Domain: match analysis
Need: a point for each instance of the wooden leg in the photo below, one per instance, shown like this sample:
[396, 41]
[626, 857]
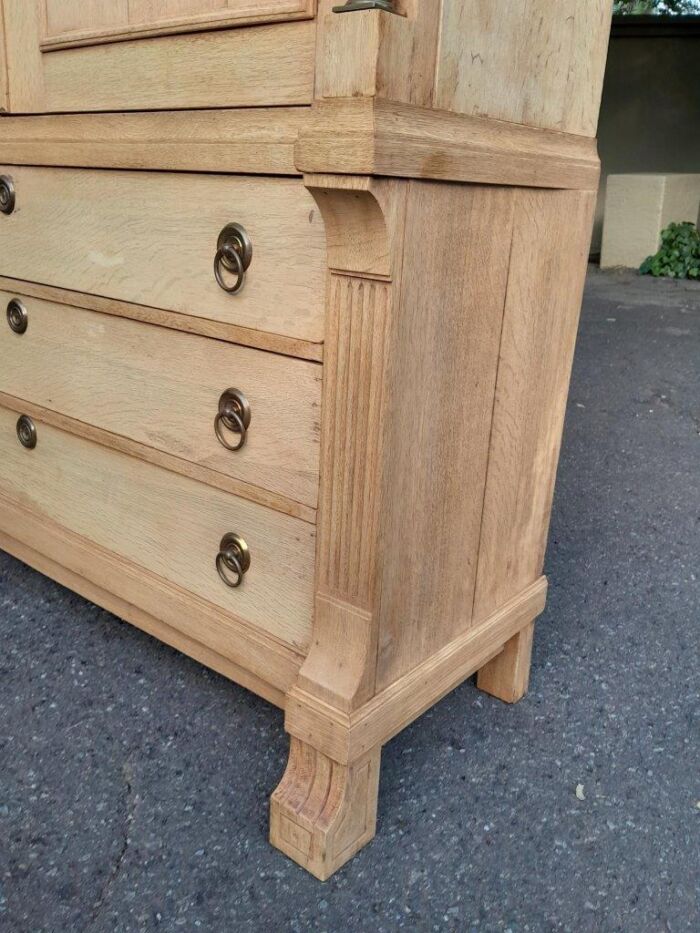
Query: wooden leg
[507, 675]
[323, 812]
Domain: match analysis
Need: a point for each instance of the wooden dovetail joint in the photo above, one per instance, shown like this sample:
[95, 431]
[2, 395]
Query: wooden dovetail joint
[352, 6]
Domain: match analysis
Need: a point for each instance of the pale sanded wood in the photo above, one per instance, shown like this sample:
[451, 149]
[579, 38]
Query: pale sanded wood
[252, 140]
[168, 524]
[444, 356]
[4, 95]
[548, 265]
[68, 16]
[150, 238]
[345, 737]
[77, 22]
[448, 310]
[148, 623]
[374, 136]
[334, 808]
[268, 65]
[376, 53]
[246, 336]
[325, 809]
[228, 636]
[133, 448]
[161, 389]
[508, 674]
[526, 61]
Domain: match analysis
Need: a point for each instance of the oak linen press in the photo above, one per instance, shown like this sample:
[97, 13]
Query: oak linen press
[292, 292]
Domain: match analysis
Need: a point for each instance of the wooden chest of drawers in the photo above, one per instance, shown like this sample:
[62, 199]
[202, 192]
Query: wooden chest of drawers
[291, 310]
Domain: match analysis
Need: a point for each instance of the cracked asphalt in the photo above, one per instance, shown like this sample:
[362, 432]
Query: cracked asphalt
[134, 783]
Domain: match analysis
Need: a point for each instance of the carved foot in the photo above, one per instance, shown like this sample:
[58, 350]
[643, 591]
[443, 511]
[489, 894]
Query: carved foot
[507, 675]
[323, 812]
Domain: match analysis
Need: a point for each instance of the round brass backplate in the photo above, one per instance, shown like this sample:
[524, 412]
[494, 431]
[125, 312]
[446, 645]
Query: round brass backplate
[234, 400]
[26, 432]
[7, 194]
[234, 542]
[17, 316]
[234, 236]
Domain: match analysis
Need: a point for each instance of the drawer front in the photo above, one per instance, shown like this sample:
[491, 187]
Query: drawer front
[73, 55]
[166, 523]
[151, 238]
[161, 388]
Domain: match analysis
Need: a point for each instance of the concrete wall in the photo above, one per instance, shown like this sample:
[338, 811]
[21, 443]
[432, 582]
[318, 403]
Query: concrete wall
[650, 116]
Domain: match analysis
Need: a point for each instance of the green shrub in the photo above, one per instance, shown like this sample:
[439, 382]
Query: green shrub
[679, 255]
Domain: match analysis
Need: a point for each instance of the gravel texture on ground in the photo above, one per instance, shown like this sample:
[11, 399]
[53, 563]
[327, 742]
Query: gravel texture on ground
[134, 783]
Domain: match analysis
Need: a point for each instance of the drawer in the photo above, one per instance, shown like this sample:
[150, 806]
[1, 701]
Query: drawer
[161, 388]
[165, 523]
[73, 55]
[151, 238]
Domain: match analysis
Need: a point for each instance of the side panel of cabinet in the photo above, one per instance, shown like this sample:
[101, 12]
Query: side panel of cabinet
[524, 61]
[551, 237]
[445, 339]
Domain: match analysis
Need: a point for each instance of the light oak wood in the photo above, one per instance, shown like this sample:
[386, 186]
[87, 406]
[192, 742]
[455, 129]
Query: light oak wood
[186, 323]
[150, 238]
[375, 53]
[508, 674]
[161, 388]
[323, 812]
[438, 416]
[272, 65]
[253, 140]
[75, 22]
[148, 623]
[434, 265]
[356, 136]
[346, 736]
[526, 61]
[264, 657]
[374, 136]
[167, 524]
[152, 455]
[551, 237]
[4, 93]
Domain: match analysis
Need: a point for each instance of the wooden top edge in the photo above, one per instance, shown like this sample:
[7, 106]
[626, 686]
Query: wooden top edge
[380, 137]
[345, 136]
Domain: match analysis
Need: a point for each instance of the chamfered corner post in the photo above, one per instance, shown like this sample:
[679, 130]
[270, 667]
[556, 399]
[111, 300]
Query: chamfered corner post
[325, 808]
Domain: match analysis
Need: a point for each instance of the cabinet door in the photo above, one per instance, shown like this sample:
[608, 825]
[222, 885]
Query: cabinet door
[83, 55]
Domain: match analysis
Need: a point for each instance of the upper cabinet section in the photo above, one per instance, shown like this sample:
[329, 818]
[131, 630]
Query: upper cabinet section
[96, 55]
[525, 61]
[539, 63]
[69, 23]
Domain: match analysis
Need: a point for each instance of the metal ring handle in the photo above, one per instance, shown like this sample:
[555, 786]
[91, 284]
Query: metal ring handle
[233, 421]
[229, 560]
[7, 194]
[233, 556]
[226, 257]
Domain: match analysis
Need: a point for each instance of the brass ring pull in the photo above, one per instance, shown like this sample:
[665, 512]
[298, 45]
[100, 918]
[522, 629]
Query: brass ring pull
[234, 414]
[233, 557]
[26, 432]
[227, 258]
[234, 253]
[7, 194]
[17, 316]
